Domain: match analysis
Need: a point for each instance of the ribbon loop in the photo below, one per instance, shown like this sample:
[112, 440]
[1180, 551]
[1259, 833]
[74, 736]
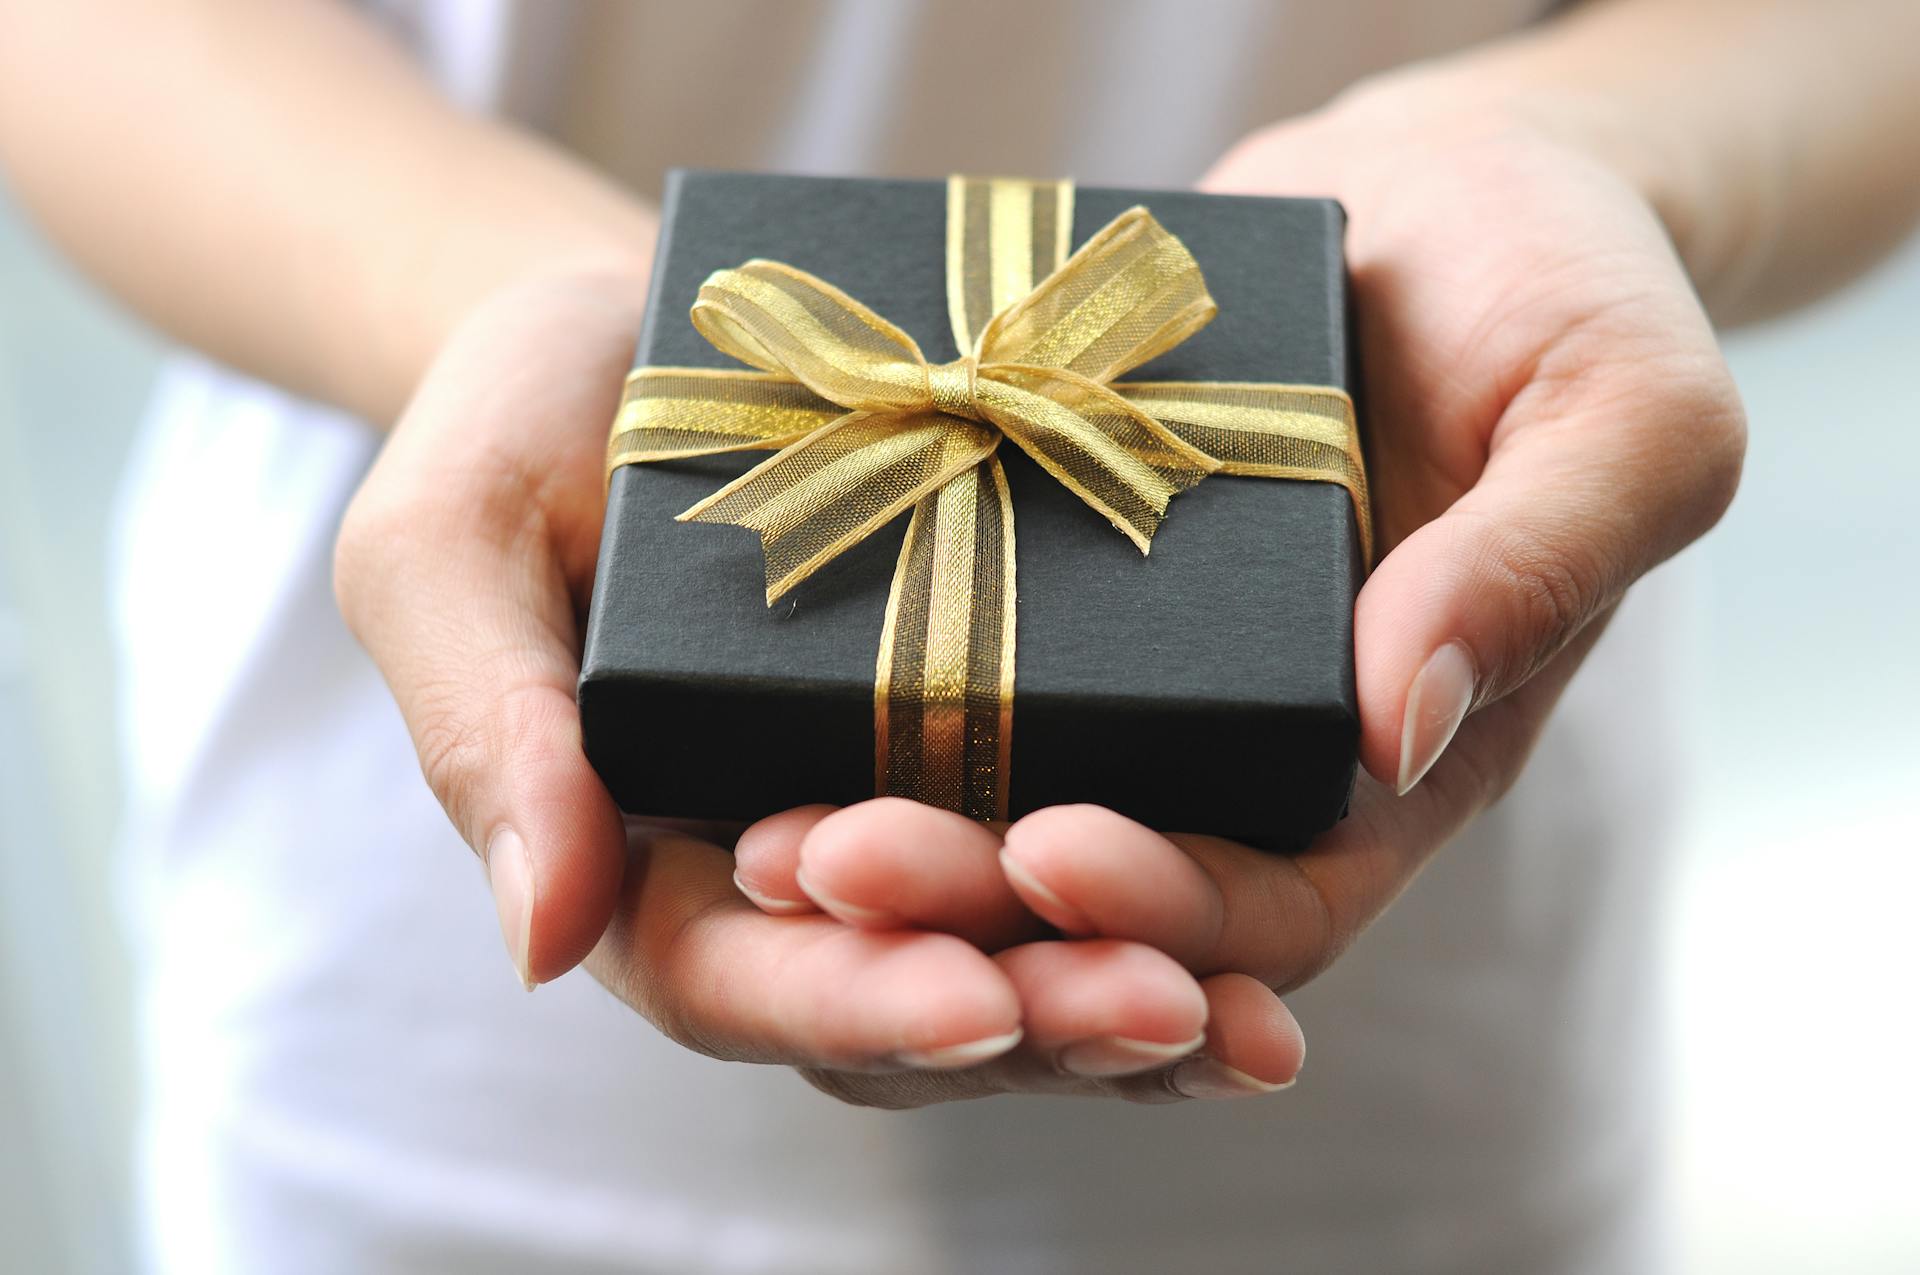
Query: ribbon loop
[826, 493]
[1131, 293]
[779, 319]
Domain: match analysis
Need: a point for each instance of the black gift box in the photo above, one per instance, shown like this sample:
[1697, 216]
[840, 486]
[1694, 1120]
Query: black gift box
[1207, 687]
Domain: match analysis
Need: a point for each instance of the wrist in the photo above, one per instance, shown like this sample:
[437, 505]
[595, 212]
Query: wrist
[1502, 94]
[516, 215]
[383, 379]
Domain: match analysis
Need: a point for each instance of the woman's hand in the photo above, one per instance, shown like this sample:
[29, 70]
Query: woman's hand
[1548, 418]
[963, 996]
[464, 566]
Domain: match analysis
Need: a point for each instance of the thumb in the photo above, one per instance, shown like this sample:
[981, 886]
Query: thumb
[473, 627]
[1564, 517]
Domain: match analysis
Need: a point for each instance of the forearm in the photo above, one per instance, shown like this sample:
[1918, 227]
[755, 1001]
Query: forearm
[1775, 137]
[272, 182]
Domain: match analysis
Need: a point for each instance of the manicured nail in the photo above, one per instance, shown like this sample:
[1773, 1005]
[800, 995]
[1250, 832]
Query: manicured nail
[1437, 703]
[1211, 1078]
[1050, 905]
[965, 1054]
[767, 903]
[1121, 1055]
[852, 913]
[510, 873]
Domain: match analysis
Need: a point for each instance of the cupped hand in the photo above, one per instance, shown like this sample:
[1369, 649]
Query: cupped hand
[883, 1013]
[1548, 417]
[464, 567]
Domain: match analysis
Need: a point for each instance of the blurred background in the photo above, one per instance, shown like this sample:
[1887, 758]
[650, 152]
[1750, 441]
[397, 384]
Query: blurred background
[1790, 943]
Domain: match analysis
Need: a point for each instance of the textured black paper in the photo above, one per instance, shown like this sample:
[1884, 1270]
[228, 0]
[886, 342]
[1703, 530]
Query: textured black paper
[1207, 687]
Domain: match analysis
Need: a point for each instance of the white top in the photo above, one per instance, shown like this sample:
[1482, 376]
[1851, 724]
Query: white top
[341, 1072]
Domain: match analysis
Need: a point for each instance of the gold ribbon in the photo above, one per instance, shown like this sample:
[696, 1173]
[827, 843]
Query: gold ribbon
[864, 428]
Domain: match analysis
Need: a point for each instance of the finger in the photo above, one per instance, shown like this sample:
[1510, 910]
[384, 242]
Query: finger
[716, 974]
[1254, 1043]
[1211, 904]
[461, 566]
[1611, 459]
[890, 862]
[1111, 1020]
[1253, 1047]
[476, 638]
[1217, 906]
[766, 861]
[1092, 871]
[1103, 1017]
[1104, 1008]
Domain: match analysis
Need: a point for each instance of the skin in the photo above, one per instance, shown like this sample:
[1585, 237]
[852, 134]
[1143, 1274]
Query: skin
[1538, 231]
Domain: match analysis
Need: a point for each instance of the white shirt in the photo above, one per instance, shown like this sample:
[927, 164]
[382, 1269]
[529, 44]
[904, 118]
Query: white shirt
[341, 1072]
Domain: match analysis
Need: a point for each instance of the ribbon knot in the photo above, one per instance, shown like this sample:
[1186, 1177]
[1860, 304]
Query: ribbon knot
[864, 429]
[951, 386]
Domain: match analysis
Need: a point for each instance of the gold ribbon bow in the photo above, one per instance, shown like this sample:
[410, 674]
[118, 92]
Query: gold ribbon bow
[865, 428]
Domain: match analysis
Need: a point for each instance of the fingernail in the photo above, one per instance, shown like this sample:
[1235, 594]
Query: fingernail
[1437, 703]
[965, 1054]
[767, 903]
[852, 913]
[1055, 909]
[1211, 1078]
[1121, 1055]
[510, 873]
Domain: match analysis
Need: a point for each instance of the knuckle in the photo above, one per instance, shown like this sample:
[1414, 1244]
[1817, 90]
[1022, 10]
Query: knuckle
[1303, 911]
[453, 747]
[649, 958]
[677, 1025]
[1551, 590]
[461, 732]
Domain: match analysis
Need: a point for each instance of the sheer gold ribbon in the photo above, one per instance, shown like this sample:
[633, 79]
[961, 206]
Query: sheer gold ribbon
[864, 429]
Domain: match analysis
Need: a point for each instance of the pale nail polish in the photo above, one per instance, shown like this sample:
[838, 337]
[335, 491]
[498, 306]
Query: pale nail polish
[1055, 908]
[852, 913]
[1437, 703]
[510, 874]
[1121, 1055]
[965, 1054]
[1211, 1078]
[767, 903]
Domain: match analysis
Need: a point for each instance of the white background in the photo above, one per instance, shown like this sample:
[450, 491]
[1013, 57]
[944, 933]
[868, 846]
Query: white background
[1793, 948]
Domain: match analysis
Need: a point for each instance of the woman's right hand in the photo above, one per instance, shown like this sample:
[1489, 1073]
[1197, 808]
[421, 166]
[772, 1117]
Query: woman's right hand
[464, 566]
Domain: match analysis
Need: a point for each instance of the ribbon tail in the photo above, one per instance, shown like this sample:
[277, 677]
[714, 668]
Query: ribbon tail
[1109, 453]
[819, 497]
[943, 686]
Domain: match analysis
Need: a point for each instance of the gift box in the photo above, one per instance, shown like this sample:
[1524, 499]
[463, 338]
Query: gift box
[1205, 686]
